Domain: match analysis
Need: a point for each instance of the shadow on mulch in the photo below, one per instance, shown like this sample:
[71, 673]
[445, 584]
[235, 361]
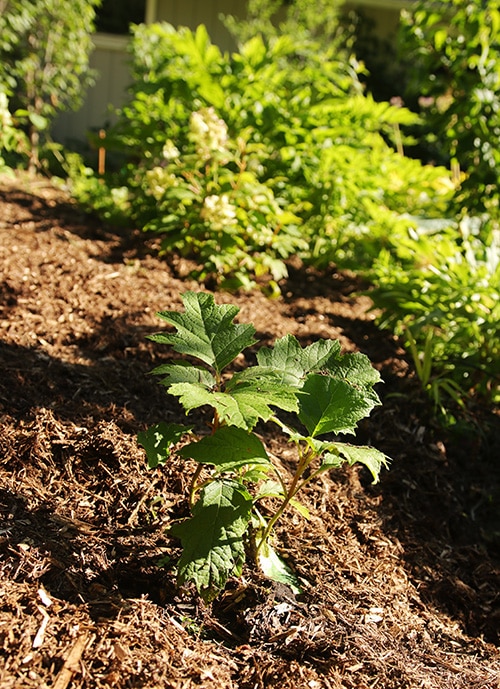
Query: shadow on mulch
[106, 386]
[439, 495]
[73, 429]
[442, 493]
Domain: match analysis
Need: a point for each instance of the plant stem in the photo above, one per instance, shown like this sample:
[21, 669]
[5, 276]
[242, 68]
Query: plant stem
[304, 462]
[193, 488]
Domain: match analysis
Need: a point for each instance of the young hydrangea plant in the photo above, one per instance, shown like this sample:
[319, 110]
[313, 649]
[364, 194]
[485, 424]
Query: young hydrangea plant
[323, 392]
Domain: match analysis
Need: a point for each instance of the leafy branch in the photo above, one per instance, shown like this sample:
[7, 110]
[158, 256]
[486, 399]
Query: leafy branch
[324, 391]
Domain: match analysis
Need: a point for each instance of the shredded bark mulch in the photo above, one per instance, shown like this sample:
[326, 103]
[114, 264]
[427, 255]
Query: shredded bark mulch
[401, 579]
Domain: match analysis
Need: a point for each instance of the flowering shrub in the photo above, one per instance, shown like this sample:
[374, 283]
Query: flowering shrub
[241, 161]
[206, 202]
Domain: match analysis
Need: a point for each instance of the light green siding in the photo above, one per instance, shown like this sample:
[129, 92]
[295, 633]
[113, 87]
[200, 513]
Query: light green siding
[191, 13]
[109, 59]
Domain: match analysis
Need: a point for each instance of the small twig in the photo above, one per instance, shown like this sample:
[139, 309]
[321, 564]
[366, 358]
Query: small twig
[70, 666]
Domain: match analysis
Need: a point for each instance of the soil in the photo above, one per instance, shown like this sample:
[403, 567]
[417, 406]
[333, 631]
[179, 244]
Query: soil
[401, 579]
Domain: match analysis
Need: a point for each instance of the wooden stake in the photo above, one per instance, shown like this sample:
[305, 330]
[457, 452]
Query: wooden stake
[101, 165]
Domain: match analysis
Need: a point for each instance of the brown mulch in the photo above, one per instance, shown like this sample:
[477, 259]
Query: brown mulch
[401, 579]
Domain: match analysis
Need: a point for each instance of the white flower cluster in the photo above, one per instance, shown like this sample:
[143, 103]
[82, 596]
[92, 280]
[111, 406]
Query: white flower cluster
[158, 180]
[218, 211]
[209, 132]
[5, 116]
[170, 151]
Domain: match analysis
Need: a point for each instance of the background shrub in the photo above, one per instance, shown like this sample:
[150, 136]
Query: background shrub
[453, 68]
[297, 160]
[44, 55]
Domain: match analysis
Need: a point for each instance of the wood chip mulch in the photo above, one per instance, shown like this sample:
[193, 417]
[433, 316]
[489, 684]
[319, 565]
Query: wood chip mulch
[401, 580]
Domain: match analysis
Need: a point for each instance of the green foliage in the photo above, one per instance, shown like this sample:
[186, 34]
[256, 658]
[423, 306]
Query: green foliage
[241, 161]
[208, 202]
[452, 49]
[322, 392]
[44, 53]
[13, 142]
[319, 20]
[439, 286]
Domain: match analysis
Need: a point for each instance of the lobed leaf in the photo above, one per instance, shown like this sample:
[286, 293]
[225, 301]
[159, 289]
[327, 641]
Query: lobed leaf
[285, 359]
[206, 330]
[184, 372]
[228, 449]
[330, 405]
[373, 459]
[158, 440]
[292, 362]
[245, 400]
[212, 539]
[357, 369]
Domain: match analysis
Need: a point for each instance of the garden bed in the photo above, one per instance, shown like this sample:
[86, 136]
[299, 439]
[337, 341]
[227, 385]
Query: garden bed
[402, 579]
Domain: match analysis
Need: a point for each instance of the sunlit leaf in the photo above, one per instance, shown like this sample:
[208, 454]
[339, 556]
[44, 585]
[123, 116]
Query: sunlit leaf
[228, 449]
[206, 330]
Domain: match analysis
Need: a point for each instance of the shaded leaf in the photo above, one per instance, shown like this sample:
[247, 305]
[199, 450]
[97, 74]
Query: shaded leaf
[158, 440]
[212, 539]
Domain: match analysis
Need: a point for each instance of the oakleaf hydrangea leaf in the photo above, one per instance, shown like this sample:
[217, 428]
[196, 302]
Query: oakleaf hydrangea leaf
[322, 355]
[373, 459]
[212, 539]
[244, 401]
[159, 439]
[285, 359]
[228, 449]
[357, 369]
[329, 405]
[293, 363]
[206, 330]
[277, 569]
[184, 372]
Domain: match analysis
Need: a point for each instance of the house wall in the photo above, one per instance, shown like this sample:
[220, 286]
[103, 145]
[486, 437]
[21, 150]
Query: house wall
[110, 56]
[110, 60]
[191, 13]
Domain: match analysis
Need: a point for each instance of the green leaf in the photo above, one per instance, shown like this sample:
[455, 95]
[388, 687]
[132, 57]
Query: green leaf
[322, 355]
[38, 121]
[242, 404]
[285, 359]
[270, 489]
[292, 362]
[329, 405]
[206, 330]
[228, 449]
[212, 539]
[184, 372]
[157, 441]
[358, 370]
[373, 459]
[301, 508]
[264, 385]
[276, 569]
